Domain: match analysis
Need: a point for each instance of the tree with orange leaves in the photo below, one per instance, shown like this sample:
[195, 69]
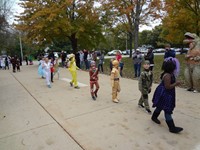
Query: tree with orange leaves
[132, 13]
[45, 21]
[181, 16]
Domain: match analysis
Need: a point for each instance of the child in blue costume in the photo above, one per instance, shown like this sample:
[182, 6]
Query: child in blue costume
[40, 69]
[164, 97]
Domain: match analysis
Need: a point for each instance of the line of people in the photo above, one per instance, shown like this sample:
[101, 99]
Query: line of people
[48, 68]
[7, 61]
[163, 97]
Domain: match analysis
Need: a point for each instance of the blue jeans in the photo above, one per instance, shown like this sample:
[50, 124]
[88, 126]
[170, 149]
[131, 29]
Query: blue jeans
[168, 116]
[86, 64]
[137, 69]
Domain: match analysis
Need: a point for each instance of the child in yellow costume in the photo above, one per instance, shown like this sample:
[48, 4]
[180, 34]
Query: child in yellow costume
[72, 68]
[115, 81]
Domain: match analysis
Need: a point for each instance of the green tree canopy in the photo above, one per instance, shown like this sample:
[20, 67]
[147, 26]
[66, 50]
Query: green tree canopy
[132, 13]
[43, 21]
[182, 16]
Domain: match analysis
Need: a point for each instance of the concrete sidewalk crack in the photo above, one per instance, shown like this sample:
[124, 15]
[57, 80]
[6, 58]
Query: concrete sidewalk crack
[49, 114]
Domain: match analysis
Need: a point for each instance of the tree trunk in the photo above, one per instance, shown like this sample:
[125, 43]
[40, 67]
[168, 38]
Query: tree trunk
[74, 43]
[130, 43]
[136, 23]
[136, 31]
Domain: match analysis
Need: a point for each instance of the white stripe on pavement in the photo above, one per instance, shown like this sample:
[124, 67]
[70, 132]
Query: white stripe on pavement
[69, 80]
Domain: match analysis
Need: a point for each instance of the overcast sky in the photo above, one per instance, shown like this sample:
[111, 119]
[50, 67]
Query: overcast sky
[15, 9]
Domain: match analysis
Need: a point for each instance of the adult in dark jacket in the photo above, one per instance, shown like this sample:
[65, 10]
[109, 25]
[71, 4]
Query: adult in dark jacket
[150, 57]
[169, 52]
[77, 57]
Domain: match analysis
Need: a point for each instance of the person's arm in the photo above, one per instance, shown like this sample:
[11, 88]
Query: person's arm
[77, 68]
[167, 82]
[90, 73]
[112, 76]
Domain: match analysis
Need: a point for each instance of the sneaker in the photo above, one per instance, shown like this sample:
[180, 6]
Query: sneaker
[95, 93]
[190, 89]
[71, 84]
[140, 106]
[195, 91]
[94, 98]
[115, 101]
[148, 111]
[49, 86]
[77, 87]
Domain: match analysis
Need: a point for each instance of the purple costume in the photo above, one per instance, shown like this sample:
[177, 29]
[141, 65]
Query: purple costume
[165, 98]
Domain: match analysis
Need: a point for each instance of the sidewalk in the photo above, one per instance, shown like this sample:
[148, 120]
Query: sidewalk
[34, 117]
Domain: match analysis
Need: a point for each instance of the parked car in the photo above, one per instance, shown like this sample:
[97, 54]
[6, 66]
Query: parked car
[176, 49]
[159, 50]
[124, 52]
[98, 53]
[184, 50]
[114, 52]
[142, 50]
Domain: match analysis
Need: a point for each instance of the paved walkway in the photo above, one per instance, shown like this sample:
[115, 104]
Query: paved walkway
[34, 117]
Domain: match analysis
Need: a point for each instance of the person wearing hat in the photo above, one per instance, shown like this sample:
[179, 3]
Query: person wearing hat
[72, 68]
[145, 83]
[115, 81]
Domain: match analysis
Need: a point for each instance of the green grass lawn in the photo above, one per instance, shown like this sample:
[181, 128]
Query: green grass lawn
[128, 71]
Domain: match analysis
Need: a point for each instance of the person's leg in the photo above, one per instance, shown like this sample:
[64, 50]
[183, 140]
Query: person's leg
[121, 72]
[114, 93]
[14, 67]
[146, 102]
[140, 102]
[58, 72]
[139, 67]
[170, 123]
[75, 80]
[47, 74]
[97, 88]
[135, 70]
[72, 81]
[51, 76]
[151, 68]
[102, 68]
[99, 65]
[92, 90]
[155, 115]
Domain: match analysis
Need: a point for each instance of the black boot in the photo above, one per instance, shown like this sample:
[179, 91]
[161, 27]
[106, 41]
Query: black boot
[155, 117]
[173, 128]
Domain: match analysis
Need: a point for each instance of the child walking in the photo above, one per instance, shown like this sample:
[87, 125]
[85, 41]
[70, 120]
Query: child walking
[47, 71]
[145, 83]
[52, 69]
[56, 68]
[114, 77]
[164, 97]
[40, 69]
[72, 68]
[93, 72]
